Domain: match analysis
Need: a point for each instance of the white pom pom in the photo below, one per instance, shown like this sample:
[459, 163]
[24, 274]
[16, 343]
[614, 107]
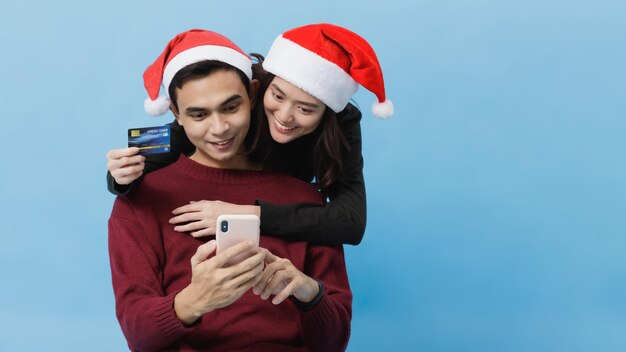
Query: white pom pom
[383, 110]
[156, 107]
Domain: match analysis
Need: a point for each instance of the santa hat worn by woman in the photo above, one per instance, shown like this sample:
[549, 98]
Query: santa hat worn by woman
[185, 49]
[329, 62]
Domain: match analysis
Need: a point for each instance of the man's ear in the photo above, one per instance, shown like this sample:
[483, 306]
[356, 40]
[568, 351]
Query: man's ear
[174, 111]
[254, 91]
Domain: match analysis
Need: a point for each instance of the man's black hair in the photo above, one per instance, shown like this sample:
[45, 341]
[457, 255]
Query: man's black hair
[202, 69]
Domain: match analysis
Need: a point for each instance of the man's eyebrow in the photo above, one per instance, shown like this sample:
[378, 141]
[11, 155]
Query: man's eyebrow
[192, 109]
[312, 105]
[232, 99]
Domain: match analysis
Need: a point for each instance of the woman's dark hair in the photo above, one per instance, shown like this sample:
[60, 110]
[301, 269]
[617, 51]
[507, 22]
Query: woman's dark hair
[316, 156]
[202, 69]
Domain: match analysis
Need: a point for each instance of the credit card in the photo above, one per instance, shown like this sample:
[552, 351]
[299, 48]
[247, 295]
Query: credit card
[150, 140]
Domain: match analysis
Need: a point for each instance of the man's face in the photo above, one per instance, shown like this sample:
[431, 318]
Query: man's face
[215, 113]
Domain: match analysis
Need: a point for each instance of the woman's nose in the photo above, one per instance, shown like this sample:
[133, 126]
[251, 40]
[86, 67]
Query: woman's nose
[285, 113]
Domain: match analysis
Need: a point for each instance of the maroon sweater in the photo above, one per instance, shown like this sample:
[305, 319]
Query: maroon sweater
[150, 264]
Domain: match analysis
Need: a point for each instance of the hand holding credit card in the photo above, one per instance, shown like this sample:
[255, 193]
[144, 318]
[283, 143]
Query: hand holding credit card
[150, 140]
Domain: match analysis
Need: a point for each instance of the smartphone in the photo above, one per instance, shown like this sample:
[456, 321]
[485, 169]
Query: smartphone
[232, 229]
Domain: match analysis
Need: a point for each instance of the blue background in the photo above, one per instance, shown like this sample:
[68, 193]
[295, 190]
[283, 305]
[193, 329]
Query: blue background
[497, 194]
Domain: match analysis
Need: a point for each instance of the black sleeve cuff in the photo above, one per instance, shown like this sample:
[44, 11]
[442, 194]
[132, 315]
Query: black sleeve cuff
[115, 188]
[310, 305]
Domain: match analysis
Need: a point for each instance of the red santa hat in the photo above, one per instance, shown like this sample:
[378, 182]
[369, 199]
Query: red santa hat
[329, 62]
[185, 49]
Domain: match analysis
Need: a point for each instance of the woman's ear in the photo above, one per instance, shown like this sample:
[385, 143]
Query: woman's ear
[254, 90]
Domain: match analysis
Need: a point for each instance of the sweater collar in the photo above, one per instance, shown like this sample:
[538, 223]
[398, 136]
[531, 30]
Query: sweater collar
[197, 170]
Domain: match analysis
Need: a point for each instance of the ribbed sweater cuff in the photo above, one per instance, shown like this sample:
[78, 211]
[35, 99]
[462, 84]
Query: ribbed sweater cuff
[167, 321]
[320, 314]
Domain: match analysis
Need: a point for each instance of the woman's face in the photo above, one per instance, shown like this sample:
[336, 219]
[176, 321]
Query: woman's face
[291, 113]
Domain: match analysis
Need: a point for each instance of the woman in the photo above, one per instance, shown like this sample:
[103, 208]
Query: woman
[303, 125]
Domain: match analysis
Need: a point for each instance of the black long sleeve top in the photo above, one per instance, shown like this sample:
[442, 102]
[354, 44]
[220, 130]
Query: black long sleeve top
[341, 221]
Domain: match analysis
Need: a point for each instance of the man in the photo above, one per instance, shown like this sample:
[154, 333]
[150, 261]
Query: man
[171, 291]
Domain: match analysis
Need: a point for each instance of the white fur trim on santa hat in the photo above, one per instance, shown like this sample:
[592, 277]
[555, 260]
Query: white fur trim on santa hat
[206, 52]
[156, 107]
[310, 72]
[383, 110]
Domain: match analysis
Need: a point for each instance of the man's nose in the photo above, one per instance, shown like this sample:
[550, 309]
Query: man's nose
[219, 126]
